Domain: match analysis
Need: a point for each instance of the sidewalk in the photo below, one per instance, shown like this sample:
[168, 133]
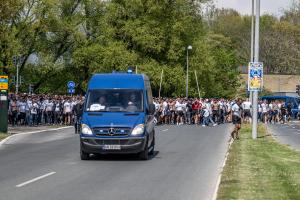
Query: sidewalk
[23, 129]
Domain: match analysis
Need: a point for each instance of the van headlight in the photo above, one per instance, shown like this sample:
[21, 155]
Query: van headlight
[138, 130]
[85, 129]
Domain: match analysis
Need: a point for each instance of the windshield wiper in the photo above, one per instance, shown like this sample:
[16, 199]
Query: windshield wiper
[131, 114]
[95, 114]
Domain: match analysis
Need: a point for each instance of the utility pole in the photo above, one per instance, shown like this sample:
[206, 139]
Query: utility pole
[17, 81]
[252, 47]
[256, 59]
[187, 71]
[161, 77]
[197, 84]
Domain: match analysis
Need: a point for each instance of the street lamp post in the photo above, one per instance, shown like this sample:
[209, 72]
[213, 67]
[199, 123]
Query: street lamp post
[187, 70]
[256, 59]
[16, 60]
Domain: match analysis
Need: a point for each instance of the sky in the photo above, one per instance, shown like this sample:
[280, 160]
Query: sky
[244, 6]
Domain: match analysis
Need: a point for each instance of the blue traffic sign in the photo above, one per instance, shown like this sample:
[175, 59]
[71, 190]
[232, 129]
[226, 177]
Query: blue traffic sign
[71, 91]
[71, 84]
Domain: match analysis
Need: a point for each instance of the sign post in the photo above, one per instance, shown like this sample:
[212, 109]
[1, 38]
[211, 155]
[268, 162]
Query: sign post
[256, 60]
[3, 82]
[71, 87]
[255, 76]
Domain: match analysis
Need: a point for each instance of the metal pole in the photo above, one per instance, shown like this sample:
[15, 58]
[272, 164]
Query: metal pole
[256, 59]
[252, 47]
[136, 68]
[252, 33]
[187, 73]
[197, 84]
[17, 81]
[161, 76]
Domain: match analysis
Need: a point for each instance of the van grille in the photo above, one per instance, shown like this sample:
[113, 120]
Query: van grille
[112, 131]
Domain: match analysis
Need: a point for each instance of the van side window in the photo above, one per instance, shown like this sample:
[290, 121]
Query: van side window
[149, 92]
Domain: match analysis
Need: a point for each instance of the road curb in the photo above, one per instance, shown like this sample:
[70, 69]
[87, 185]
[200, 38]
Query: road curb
[32, 132]
[215, 195]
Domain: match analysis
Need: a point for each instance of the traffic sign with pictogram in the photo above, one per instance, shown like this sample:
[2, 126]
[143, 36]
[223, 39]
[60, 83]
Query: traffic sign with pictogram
[3, 82]
[71, 84]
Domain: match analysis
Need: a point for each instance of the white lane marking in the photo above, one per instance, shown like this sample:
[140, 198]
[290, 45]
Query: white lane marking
[35, 179]
[165, 130]
[32, 132]
[215, 194]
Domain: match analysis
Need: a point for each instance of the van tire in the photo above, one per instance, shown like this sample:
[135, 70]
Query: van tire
[144, 155]
[84, 155]
[152, 144]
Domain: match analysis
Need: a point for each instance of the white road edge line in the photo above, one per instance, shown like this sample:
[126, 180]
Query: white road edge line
[215, 195]
[165, 130]
[35, 179]
[27, 133]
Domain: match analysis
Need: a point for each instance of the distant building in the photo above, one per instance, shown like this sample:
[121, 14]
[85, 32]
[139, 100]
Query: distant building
[276, 83]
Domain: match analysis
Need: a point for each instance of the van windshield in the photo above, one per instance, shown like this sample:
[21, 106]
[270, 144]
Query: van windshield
[115, 100]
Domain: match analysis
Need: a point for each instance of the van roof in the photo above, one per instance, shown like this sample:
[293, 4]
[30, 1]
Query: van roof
[117, 80]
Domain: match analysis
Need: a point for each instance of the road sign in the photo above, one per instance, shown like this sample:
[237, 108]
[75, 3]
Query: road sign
[3, 82]
[71, 91]
[71, 84]
[255, 76]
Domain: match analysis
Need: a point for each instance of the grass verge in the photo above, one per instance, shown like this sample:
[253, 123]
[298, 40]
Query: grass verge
[3, 135]
[260, 169]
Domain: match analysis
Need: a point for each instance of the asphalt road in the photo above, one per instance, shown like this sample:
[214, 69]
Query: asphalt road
[288, 134]
[47, 166]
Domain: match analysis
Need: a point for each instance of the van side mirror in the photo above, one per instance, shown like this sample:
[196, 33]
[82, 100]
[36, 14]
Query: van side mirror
[151, 109]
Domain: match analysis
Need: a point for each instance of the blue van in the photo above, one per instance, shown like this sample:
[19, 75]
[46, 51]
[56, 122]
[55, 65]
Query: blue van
[118, 116]
[293, 101]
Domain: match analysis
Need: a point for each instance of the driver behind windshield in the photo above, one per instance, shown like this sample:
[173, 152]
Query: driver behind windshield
[99, 105]
[132, 104]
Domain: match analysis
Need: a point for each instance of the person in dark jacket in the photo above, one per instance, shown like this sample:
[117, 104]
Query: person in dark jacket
[78, 111]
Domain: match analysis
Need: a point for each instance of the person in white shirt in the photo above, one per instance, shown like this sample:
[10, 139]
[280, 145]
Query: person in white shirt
[236, 119]
[265, 109]
[67, 112]
[27, 109]
[179, 106]
[246, 105]
[22, 111]
[49, 111]
[33, 112]
[205, 114]
[208, 107]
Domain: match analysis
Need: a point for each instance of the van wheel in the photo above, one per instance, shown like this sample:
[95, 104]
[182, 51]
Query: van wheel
[152, 145]
[144, 155]
[84, 155]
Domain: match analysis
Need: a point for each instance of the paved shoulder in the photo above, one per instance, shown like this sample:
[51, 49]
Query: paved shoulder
[288, 134]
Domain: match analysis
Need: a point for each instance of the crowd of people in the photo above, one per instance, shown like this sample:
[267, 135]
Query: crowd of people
[34, 110]
[212, 112]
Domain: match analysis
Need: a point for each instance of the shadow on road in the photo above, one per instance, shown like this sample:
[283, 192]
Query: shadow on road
[120, 157]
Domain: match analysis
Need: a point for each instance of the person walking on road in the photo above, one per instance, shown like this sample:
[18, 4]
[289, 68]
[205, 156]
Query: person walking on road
[236, 119]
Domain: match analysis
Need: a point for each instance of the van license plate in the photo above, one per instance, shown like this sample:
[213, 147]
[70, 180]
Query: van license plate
[112, 147]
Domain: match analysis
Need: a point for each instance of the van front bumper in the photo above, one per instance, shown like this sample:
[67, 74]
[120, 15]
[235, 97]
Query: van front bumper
[127, 145]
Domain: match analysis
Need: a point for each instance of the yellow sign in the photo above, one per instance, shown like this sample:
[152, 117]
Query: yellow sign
[3, 82]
